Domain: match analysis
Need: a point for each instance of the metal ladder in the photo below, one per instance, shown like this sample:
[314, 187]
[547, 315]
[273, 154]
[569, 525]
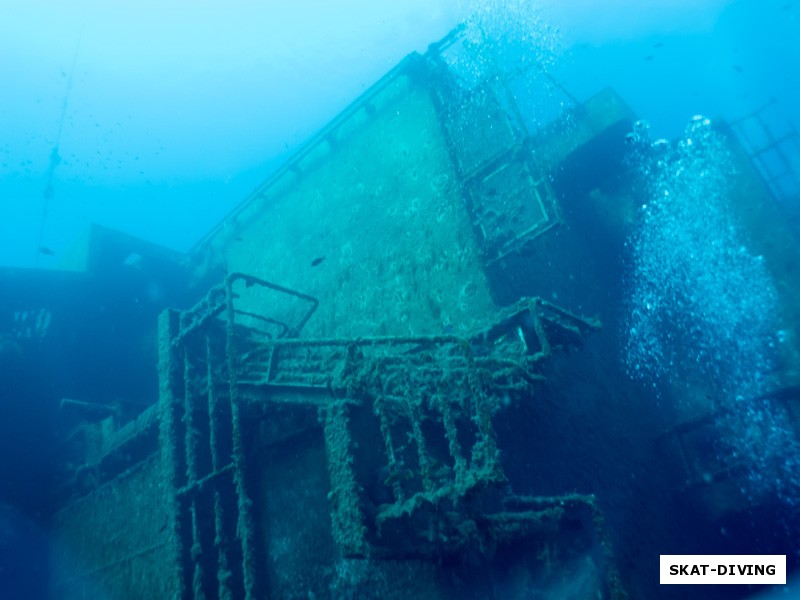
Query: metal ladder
[204, 443]
[202, 448]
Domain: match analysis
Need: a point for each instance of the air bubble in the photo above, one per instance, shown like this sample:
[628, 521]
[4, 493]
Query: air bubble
[702, 309]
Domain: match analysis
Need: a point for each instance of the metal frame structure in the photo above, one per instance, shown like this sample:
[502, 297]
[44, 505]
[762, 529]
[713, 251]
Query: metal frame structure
[776, 156]
[429, 399]
[507, 192]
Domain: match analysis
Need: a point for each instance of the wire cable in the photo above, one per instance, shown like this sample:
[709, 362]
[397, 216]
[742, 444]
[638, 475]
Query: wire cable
[55, 158]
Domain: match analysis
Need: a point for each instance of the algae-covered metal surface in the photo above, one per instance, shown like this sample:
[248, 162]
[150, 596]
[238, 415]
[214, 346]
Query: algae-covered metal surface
[114, 539]
[327, 415]
[369, 219]
[393, 388]
[390, 214]
[391, 437]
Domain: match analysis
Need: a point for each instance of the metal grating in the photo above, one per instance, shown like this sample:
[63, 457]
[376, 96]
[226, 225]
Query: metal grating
[510, 200]
[775, 152]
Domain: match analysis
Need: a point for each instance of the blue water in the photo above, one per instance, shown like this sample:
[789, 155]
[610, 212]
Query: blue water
[173, 114]
[156, 119]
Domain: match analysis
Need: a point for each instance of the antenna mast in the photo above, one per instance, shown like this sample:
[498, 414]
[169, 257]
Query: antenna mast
[55, 157]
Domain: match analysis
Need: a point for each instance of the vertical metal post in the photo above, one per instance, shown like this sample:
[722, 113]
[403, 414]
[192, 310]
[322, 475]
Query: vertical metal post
[347, 520]
[453, 445]
[538, 328]
[245, 524]
[484, 451]
[379, 406]
[224, 576]
[197, 552]
[191, 441]
[169, 375]
[415, 415]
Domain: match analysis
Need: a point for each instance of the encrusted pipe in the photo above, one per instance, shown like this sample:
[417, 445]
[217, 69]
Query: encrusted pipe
[415, 415]
[379, 406]
[245, 525]
[346, 517]
[224, 576]
[451, 433]
[169, 375]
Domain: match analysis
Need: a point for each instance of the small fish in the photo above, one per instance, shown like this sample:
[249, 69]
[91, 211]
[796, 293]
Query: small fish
[317, 261]
[658, 45]
[46, 251]
[133, 260]
[649, 57]
[737, 68]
